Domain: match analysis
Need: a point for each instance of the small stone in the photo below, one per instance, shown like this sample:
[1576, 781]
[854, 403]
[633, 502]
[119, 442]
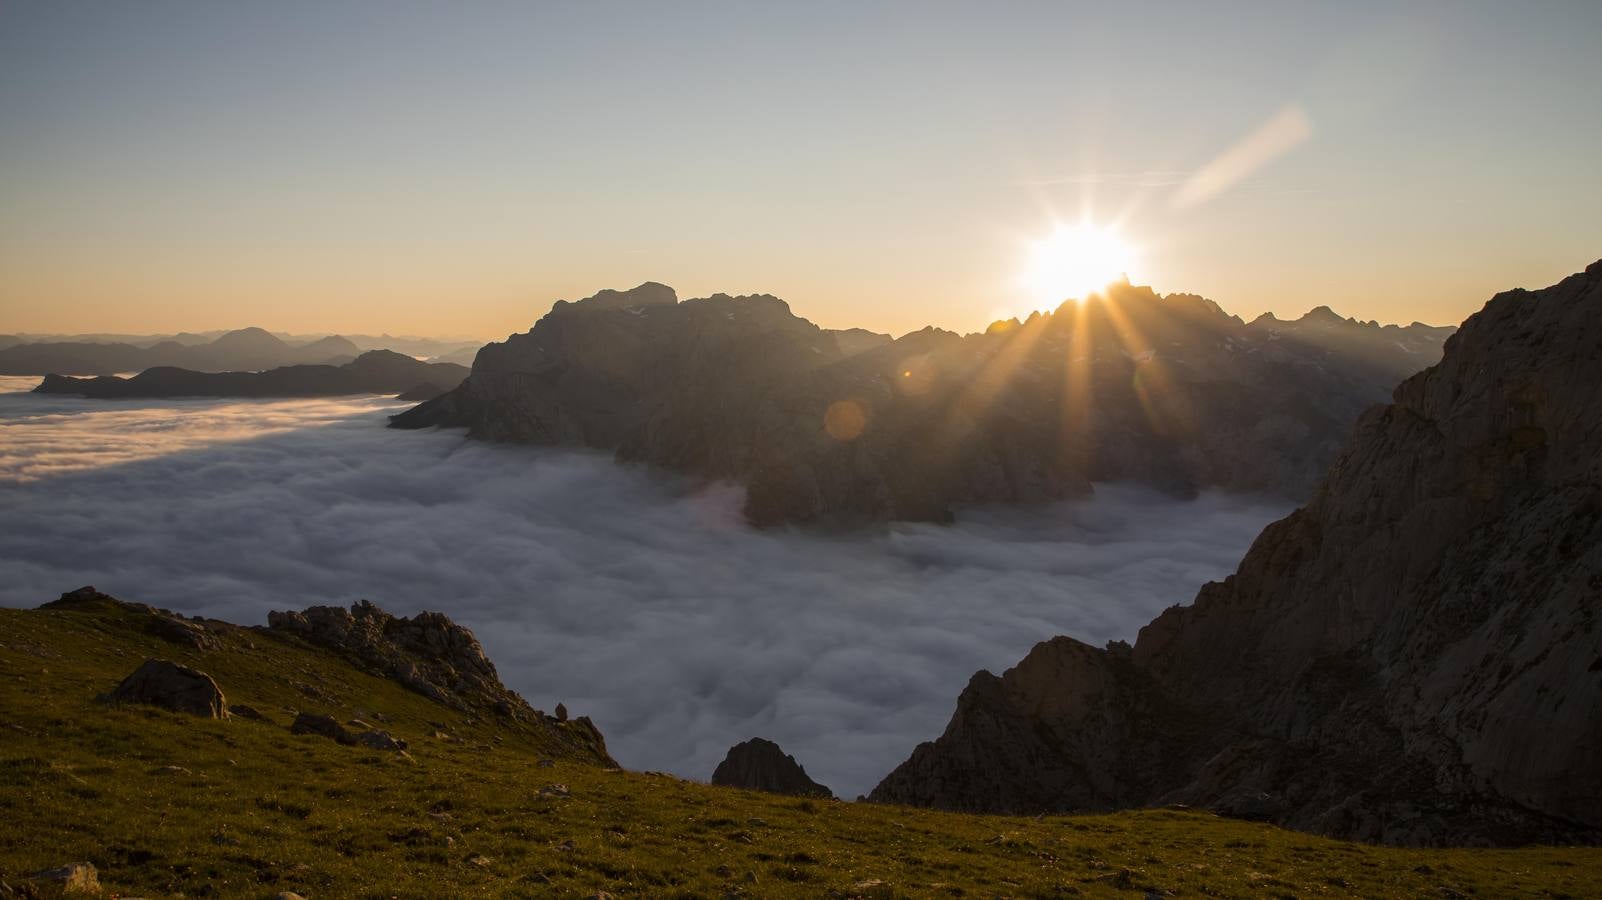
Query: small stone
[246, 712]
[170, 770]
[555, 790]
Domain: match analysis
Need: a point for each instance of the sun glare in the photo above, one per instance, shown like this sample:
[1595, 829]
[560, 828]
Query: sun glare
[1077, 261]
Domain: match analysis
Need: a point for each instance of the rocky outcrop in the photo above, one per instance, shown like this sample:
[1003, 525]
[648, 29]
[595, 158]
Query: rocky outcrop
[759, 765]
[196, 634]
[159, 682]
[1170, 391]
[427, 653]
[1413, 657]
[433, 656]
[374, 372]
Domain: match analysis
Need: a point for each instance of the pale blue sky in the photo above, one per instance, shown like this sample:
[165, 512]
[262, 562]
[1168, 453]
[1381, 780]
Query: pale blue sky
[455, 167]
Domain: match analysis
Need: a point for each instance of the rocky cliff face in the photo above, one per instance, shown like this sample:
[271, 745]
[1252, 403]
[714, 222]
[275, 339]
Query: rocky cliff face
[1169, 391]
[1413, 657]
[760, 765]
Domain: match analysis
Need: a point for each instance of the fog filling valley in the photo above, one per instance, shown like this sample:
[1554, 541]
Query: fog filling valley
[639, 599]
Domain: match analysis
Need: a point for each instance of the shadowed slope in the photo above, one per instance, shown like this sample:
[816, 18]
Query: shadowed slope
[161, 803]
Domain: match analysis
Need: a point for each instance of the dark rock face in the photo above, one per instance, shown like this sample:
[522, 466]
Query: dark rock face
[1413, 657]
[1169, 391]
[159, 682]
[760, 765]
[433, 656]
[374, 372]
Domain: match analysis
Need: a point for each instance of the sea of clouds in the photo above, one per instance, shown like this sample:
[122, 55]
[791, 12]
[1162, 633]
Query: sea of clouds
[639, 599]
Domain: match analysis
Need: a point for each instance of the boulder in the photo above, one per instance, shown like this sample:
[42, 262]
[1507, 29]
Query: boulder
[72, 878]
[160, 682]
[323, 726]
[376, 739]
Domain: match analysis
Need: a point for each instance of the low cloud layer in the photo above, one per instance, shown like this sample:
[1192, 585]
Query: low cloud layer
[638, 599]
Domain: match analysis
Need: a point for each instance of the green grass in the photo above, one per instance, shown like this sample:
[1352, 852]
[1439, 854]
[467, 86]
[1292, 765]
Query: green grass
[259, 810]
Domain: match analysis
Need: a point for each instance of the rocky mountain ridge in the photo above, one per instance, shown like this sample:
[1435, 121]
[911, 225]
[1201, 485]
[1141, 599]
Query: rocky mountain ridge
[819, 425]
[1412, 657]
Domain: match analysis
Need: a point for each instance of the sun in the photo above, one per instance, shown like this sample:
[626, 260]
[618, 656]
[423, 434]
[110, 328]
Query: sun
[1077, 261]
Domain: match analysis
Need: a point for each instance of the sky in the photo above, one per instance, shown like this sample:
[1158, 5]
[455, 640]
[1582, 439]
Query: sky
[639, 599]
[454, 168]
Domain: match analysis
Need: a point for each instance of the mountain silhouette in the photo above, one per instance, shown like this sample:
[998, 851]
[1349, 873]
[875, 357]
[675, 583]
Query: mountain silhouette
[1169, 391]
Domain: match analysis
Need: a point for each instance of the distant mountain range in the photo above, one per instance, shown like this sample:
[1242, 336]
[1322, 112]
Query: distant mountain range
[245, 349]
[1412, 657]
[374, 372]
[1168, 390]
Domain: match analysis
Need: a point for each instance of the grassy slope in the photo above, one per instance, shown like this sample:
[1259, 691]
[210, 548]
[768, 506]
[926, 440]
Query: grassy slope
[260, 810]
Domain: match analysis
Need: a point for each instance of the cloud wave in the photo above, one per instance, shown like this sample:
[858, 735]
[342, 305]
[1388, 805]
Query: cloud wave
[637, 598]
